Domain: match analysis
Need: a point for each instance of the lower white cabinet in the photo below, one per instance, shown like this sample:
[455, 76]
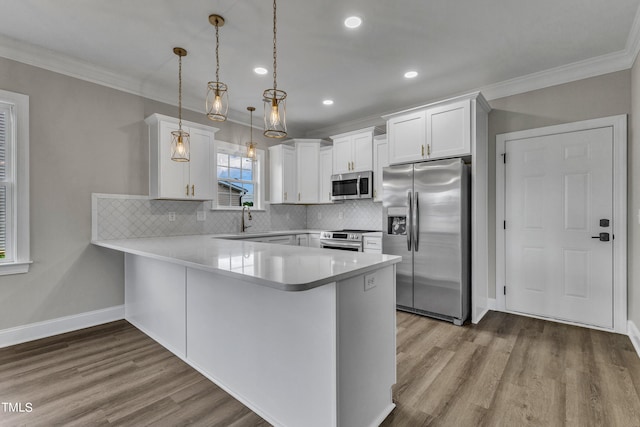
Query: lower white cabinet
[373, 243]
[302, 240]
[280, 240]
[314, 240]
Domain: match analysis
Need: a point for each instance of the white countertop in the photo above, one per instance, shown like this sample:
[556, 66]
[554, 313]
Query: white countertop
[287, 268]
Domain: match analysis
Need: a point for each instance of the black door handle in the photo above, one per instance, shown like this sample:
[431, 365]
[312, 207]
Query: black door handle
[604, 237]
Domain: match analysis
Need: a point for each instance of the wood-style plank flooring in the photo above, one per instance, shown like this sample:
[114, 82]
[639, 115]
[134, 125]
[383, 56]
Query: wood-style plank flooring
[506, 371]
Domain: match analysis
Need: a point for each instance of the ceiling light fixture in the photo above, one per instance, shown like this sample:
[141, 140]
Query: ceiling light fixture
[352, 22]
[217, 101]
[180, 138]
[275, 125]
[251, 146]
[328, 102]
[410, 74]
[260, 70]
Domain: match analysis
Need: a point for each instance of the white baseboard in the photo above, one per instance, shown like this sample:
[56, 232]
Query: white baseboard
[492, 304]
[634, 335]
[48, 328]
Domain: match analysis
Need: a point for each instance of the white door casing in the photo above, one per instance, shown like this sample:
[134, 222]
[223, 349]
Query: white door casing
[558, 182]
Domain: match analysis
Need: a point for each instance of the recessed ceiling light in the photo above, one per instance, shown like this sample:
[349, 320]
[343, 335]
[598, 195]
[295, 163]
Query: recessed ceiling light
[352, 22]
[328, 102]
[260, 70]
[410, 74]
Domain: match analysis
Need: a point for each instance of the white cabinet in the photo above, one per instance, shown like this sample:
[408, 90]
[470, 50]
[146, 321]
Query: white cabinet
[407, 137]
[380, 161]
[193, 180]
[282, 174]
[302, 240]
[280, 240]
[307, 162]
[314, 240]
[353, 151]
[326, 170]
[431, 132]
[449, 130]
[372, 243]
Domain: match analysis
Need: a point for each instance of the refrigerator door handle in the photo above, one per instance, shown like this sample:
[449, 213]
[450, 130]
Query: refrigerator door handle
[409, 230]
[416, 218]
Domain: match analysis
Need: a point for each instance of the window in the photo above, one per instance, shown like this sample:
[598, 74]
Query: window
[239, 178]
[14, 183]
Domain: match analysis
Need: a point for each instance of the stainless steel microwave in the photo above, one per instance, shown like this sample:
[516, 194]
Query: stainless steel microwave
[354, 185]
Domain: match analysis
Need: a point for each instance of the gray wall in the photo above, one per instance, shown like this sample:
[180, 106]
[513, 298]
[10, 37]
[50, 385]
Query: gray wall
[84, 138]
[601, 96]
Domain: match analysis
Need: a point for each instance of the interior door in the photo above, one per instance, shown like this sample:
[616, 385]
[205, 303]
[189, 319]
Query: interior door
[558, 210]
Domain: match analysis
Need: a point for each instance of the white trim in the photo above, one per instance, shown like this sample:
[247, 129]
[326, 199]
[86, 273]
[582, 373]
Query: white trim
[634, 335]
[619, 125]
[238, 149]
[94, 208]
[20, 159]
[492, 304]
[61, 325]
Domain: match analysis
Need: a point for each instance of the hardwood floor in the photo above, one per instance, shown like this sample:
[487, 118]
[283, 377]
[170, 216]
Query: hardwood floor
[506, 371]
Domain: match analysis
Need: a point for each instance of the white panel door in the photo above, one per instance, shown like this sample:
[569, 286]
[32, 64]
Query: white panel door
[558, 189]
[407, 138]
[200, 176]
[362, 152]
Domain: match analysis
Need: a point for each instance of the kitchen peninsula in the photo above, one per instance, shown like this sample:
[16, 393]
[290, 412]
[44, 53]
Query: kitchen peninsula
[302, 336]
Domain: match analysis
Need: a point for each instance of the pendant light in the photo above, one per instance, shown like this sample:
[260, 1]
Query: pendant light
[275, 125]
[251, 146]
[180, 138]
[217, 102]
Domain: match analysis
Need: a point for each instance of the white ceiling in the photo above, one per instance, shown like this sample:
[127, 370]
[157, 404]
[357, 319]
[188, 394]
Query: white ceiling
[455, 45]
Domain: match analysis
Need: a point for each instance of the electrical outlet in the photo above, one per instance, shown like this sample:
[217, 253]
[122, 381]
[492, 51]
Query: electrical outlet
[369, 281]
[340, 215]
[201, 215]
[172, 216]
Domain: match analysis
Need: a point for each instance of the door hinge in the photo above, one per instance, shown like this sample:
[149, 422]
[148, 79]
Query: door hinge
[504, 290]
[504, 157]
[504, 225]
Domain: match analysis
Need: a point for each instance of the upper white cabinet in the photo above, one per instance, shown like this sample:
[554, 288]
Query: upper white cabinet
[380, 161]
[282, 174]
[193, 180]
[406, 134]
[449, 130]
[433, 131]
[353, 151]
[326, 170]
[308, 163]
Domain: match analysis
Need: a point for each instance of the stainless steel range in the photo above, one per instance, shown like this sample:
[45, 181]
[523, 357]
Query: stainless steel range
[344, 240]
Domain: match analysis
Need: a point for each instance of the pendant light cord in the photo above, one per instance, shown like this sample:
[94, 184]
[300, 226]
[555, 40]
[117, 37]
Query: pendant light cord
[275, 84]
[180, 92]
[217, 59]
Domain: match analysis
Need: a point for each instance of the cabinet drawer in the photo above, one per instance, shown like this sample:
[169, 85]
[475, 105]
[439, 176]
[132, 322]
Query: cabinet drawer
[372, 243]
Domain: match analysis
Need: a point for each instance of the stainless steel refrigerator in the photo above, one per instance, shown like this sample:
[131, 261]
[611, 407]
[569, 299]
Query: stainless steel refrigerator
[426, 221]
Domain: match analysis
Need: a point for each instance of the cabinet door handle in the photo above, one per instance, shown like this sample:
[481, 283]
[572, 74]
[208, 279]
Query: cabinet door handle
[298, 196]
[193, 190]
[285, 195]
[422, 150]
[374, 193]
[187, 189]
[429, 150]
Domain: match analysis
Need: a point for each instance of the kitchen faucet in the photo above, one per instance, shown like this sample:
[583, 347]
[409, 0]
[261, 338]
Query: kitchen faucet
[243, 226]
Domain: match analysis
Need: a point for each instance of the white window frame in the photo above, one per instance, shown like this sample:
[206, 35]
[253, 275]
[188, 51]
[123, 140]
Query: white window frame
[259, 189]
[18, 251]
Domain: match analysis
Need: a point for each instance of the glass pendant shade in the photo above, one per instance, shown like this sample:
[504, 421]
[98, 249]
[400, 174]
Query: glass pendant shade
[217, 101]
[180, 139]
[275, 113]
[251, 146]
[180, 146]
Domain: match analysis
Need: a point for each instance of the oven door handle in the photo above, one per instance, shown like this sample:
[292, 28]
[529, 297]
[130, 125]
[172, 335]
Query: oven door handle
[341, 243]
